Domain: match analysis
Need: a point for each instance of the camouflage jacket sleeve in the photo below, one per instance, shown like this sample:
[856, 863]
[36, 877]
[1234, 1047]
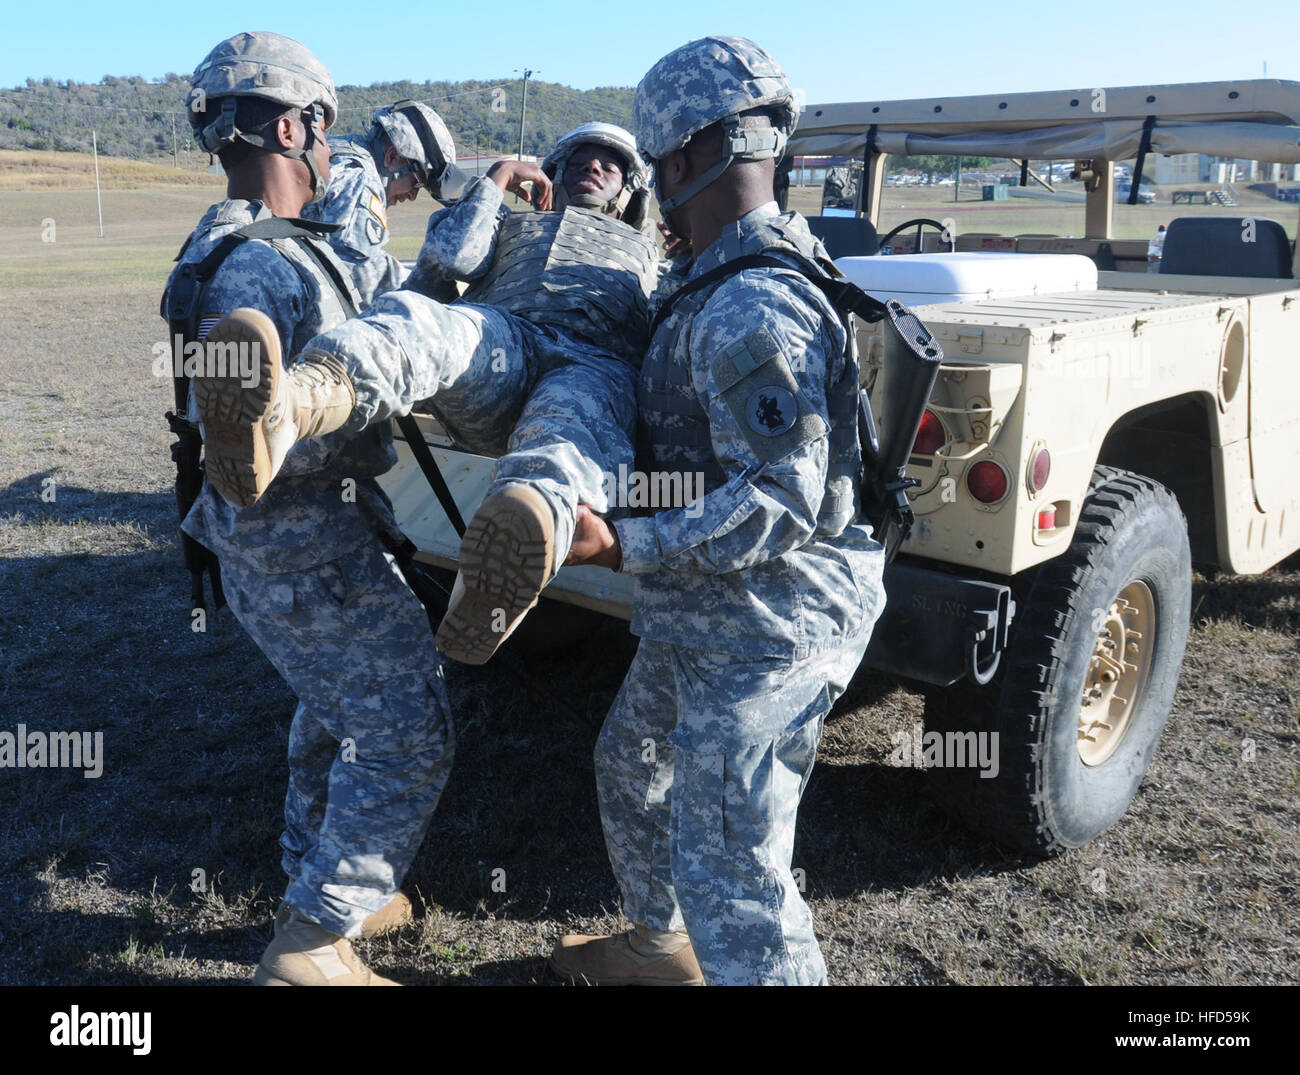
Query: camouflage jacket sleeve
[761, 351]
[356, 201]
[461, 240]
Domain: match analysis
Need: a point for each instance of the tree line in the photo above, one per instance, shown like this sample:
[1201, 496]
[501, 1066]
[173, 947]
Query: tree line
[145, 120]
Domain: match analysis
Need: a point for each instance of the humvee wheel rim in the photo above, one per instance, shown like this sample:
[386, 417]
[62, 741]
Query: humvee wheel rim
[1117, 672]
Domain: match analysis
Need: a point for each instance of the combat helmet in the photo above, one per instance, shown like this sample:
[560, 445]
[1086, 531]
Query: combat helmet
[709, 80]
[420, 136]
[633, 200]
[266, 65]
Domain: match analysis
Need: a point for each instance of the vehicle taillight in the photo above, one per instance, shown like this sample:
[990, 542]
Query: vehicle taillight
[1040, 469]
[930, 437]
[987, 482]
[1047, 519]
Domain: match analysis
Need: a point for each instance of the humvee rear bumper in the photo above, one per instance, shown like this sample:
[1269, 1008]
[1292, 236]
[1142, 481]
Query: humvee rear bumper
[939, 628]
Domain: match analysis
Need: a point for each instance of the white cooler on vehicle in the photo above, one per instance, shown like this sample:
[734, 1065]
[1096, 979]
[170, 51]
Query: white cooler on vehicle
[923, 279]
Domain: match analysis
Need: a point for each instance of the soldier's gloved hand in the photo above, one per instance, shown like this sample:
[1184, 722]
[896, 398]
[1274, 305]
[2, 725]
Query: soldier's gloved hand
[511, 176]
[594, 542]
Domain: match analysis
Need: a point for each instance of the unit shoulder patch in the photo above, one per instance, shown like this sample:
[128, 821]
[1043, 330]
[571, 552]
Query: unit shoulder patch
[754, 377]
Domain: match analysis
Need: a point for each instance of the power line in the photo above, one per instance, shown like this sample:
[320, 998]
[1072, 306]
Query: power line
[583, 95]
[444, 97]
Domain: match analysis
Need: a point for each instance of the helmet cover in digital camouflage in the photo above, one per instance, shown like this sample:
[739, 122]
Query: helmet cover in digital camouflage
[707, 81]
[268, 66]
[422, 139]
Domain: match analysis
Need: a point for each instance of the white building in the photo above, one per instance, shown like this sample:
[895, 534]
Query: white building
[1171, 171]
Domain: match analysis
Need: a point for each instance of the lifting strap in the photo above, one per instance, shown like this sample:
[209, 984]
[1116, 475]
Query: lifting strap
[1144, 147]
[883, 483]
[181, 309]
[405, 422]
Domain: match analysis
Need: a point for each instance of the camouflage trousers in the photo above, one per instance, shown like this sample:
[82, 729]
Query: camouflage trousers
[371, 743]
[563, 413]
[700, 768]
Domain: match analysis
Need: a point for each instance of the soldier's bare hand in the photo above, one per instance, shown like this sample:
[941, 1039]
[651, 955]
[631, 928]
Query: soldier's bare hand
[594, 541]
[511, 176]
[675, 246]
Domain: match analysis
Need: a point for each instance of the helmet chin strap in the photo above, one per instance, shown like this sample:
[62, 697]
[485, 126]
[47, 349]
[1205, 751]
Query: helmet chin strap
[313, 113]
[614, 206]
[305, 154]
[738, 143]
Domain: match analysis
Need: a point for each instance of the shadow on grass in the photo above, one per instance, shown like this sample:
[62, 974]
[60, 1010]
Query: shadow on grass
[45, 497]
[195, 727]
[1270, 601]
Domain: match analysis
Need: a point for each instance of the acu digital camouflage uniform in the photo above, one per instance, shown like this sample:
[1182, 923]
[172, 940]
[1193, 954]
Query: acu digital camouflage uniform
[754, 608]
[307, 575]
[357, 201]
[360, 184]
[538, 360]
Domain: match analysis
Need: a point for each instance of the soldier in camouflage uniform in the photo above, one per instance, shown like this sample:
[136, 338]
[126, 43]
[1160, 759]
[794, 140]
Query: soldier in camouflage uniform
[407, 147]
[538, 360]
[840, 190]
[306, 570]
[754, 609]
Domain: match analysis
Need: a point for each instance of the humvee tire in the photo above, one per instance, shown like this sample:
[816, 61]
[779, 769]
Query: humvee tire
[1122, 588]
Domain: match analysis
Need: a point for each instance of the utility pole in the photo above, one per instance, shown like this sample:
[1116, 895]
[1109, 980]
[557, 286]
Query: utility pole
[99, 204]
[176, 161]
[523, 108]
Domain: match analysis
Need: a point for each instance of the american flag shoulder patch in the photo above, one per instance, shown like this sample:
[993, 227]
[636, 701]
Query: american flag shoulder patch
[206, 322]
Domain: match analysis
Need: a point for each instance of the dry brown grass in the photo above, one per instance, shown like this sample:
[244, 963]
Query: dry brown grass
[26, 169]
[1198, 881]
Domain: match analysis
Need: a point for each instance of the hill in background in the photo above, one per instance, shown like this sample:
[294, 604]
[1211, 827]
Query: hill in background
[145, 120]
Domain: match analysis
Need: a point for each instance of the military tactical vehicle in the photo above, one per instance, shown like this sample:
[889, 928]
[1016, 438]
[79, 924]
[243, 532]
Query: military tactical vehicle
[1096, 429]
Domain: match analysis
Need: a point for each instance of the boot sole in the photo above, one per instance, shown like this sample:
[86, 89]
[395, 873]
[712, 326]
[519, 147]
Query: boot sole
[506, 559]
[236, 457]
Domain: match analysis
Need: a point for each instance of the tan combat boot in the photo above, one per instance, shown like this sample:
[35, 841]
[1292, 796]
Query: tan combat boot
[642, 956]
[393, 915]
[248, 429]
[303, 952]
[506, 557]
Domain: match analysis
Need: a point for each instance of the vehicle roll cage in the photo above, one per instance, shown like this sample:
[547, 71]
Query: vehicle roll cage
[1255, 119]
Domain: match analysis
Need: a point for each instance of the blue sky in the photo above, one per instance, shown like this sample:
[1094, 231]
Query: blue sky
[848, 50]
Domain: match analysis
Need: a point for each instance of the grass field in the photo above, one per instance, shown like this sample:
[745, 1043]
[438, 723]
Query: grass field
[52, 170]
[1196, 884]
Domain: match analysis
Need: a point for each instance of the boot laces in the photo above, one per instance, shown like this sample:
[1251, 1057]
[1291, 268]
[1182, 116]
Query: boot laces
[318, 370]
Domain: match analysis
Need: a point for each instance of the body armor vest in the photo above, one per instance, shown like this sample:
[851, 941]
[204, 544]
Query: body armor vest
[674, 433]
[355, 145]
[578, 271]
